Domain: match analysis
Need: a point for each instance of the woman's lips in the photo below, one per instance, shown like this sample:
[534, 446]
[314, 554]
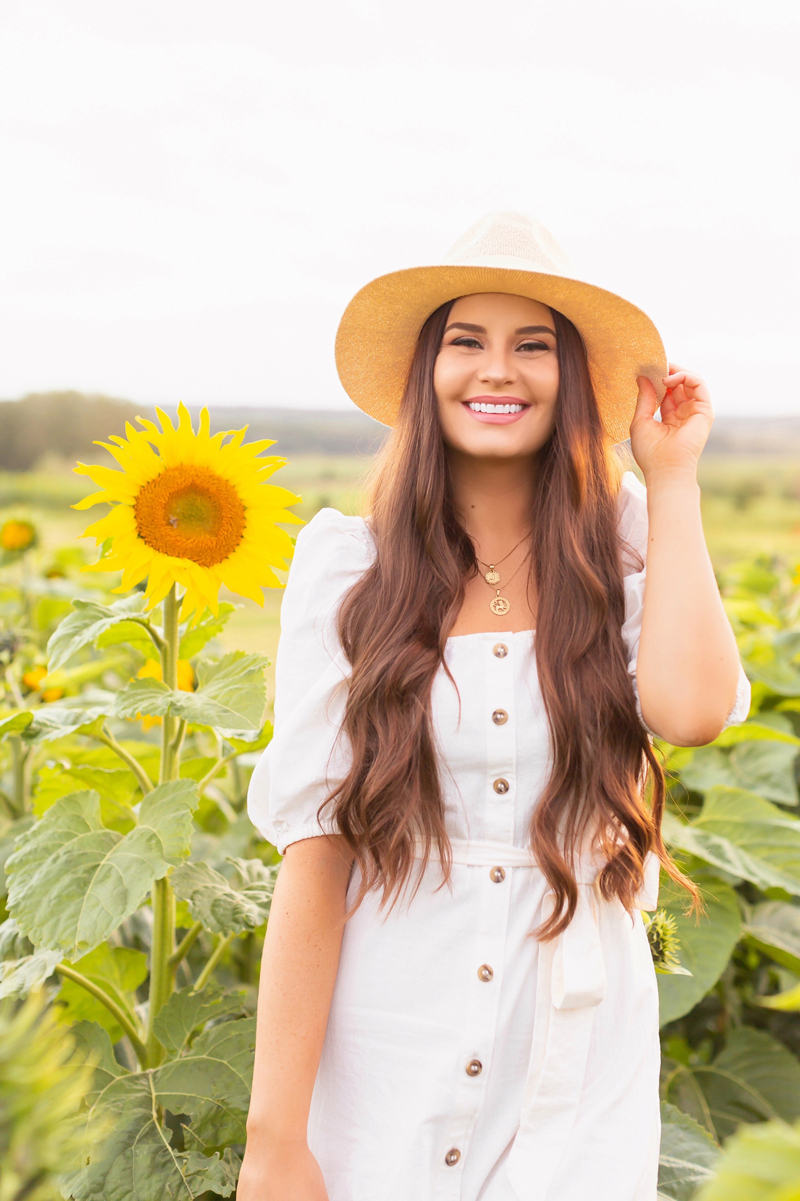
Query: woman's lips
[495, 405]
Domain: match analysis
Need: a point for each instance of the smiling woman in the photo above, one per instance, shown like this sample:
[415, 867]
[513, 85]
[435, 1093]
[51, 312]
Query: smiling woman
[495, 1039]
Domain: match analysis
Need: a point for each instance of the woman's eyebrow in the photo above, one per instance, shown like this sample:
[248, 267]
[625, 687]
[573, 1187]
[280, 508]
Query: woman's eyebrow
[479, 329]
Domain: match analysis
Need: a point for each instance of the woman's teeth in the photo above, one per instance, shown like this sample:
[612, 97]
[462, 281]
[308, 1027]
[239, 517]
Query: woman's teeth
[480, 407]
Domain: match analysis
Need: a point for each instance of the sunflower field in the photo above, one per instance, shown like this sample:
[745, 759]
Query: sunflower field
[136, 892]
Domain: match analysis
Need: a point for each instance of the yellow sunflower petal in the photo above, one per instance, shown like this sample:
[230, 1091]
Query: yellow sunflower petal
[191, 508]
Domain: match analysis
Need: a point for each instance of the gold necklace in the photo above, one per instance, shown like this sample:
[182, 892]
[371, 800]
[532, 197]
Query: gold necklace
[492, 577]
[499, 604]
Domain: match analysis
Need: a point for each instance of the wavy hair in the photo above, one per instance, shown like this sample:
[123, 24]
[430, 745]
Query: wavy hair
[395, 621]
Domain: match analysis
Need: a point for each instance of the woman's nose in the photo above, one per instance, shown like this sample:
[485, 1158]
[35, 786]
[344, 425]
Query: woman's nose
[497, 370]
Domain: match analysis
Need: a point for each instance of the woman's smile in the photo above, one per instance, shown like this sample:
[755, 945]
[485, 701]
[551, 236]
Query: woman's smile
[496, 410]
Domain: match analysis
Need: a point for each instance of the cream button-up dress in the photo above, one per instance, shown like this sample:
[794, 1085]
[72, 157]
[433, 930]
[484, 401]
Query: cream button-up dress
[464, 1061]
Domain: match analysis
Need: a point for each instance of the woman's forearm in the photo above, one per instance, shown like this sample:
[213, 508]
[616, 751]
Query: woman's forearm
[688, 665]
[299, 965]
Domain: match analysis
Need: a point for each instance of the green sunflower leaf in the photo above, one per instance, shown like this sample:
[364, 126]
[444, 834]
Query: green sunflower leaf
[753, 1079]
[231, 695]
[211, 1082]
[774, 927]
[687, 1155]
[225, 906]
[744, 835]
[194, 639]
[72, 881]
[16, 723]
[19, 976]
[88, 622]
[705, 946]
[759, 1163]
[134, 1159]
[186, 1011]
[52, 722]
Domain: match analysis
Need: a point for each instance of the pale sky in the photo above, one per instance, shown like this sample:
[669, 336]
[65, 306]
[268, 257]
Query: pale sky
[192, 190]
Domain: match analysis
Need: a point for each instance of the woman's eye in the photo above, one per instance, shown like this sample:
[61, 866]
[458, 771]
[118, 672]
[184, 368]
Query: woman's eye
[533, 346]
[465, 340]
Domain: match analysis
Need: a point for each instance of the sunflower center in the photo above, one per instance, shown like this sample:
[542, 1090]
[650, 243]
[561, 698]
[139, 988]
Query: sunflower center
[190, 513]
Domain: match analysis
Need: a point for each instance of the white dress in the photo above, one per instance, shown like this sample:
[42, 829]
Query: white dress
[463, 1061]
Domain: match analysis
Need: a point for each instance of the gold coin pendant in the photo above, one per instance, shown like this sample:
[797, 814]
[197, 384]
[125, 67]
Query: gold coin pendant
[499, 606]
[492, 577]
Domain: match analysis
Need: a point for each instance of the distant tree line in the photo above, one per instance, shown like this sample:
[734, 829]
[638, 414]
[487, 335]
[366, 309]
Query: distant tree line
[67, 423]
[57, 423]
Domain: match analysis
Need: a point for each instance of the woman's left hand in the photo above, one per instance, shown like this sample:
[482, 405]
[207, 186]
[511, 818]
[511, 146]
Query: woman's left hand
[675, 442]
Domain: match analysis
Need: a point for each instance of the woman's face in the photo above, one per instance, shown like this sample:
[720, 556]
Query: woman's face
[496, 376]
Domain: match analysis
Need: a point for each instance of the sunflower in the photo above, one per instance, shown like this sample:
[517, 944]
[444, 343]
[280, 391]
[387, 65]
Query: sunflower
[17, 535]
[192, 509]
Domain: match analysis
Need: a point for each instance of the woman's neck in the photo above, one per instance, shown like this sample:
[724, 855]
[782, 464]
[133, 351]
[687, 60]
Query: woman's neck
[493, 499]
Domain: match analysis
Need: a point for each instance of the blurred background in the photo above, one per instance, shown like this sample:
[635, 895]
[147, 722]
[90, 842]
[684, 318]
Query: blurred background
[195, 191]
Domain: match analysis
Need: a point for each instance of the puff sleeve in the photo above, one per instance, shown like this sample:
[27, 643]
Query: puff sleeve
[307, 757]
[632, 524]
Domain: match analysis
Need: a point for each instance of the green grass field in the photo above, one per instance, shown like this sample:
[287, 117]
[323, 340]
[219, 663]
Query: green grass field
[751, 506]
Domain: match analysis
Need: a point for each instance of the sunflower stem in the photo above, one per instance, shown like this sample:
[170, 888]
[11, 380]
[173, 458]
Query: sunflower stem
[212, 961]
[162, 975]
[158, 641]
[21, 762]
[169, 674]
[186, 944]
[177, 742]
[145, 783]
[116, 1011]
[214, 771]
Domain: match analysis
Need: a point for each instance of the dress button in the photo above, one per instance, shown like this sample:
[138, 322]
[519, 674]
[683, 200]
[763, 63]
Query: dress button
[498, 874]
[500, 785]
[499, 717]
[500, 650]
[452, 1157]
[485, 973]
[474, 1067]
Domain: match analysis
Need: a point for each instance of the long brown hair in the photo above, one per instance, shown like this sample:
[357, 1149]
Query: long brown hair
[395, 621]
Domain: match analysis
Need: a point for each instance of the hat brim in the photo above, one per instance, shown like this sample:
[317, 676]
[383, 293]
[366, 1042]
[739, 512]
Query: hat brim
[379, 330]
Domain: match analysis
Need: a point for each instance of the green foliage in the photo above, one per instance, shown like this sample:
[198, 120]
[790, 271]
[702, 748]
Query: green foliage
[753, 1078]
[705, 944]
[687, 1157]
[138, 946]
[730, 1046]
[72, 881]
[42, 1083]
[208, 1082]
[90, 622]
[118, 971]
[221, 905]
[760, 1163]
[230, 695]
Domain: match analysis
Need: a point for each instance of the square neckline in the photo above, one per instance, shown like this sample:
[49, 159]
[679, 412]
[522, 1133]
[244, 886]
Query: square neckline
[491, 634]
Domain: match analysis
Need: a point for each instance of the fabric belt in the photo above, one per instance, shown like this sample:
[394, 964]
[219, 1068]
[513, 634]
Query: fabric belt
[571, 984]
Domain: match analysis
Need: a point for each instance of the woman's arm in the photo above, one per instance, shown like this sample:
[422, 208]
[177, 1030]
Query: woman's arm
[688, 664]
[299, 965]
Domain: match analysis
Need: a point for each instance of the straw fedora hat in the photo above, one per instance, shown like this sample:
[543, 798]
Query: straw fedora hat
[503, 252]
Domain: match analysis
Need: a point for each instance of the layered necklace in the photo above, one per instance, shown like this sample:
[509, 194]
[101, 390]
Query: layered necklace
[499, 604]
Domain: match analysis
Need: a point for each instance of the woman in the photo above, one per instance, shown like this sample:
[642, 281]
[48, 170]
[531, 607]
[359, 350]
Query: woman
[457, 997]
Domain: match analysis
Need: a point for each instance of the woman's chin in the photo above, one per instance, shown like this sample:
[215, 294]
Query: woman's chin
[495, 441]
